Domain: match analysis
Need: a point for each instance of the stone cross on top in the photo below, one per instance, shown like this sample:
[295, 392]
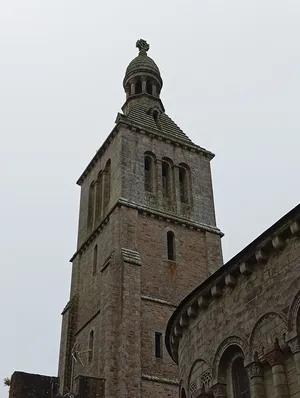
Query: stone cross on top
[143, 46]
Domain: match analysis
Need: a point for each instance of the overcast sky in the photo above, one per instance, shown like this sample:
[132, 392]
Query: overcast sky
[231, 82]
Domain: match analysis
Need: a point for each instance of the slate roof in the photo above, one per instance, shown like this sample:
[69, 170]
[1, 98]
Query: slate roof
[142, 63]
[140, 115]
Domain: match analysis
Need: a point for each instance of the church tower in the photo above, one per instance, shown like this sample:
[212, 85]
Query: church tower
[147, 236]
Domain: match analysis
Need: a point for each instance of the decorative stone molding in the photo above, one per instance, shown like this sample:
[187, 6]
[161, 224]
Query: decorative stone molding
[278, 243]
[294, 345]
[131, 256]
[158, 301]
[292, 317]
[229, 341]
[255, 369]
[245, 263]
[275, 357]
[161, 380]
[219, 390]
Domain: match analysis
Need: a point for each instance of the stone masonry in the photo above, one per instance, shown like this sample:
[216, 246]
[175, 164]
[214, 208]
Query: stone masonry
[237, 334]
[154, 241]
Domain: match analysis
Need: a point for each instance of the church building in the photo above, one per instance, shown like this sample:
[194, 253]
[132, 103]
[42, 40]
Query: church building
[153, 312]
[147, 236]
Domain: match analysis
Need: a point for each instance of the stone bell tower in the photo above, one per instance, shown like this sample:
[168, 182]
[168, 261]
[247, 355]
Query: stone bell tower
[147, 236]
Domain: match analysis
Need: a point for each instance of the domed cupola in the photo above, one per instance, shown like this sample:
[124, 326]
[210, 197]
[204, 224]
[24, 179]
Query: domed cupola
[142, 75]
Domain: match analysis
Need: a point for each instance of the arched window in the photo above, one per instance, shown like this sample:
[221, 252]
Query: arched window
[183, 394]
[183, 184]
[149, 87]
[106, 185]
[95, 259]
[98, 194]
[138, 87]
[171, 246]
[91, 345]
[166, 179]
[149, 172]
[241, 387]
[91, 207]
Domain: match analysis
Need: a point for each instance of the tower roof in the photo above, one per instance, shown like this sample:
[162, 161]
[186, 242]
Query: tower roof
[142, 63]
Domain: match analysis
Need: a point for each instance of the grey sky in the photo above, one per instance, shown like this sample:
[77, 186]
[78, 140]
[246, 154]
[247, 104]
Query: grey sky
[231, 82]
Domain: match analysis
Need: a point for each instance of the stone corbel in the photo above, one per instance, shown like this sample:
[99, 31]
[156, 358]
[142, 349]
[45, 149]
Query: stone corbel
[275, 356]
[202, 302]
[295, 228]
[191, 312]
[216, 291]
[260, 256]
[278, 243]
[230, 280]
[245, 269]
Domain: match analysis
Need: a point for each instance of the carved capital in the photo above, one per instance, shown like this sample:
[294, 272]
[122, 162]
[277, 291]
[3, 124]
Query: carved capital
[219, 390]
[255, 369]
[275, 357]
[294, 345]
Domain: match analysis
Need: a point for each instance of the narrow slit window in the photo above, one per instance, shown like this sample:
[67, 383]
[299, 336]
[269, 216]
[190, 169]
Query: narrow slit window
[95, 259]
[148, 173]
[91, 345]
[171, 245]
[158, 345]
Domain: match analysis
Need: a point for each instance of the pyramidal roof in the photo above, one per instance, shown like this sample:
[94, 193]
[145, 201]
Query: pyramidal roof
[139, 115]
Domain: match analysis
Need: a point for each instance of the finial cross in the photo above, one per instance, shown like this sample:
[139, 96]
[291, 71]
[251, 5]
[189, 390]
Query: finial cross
[143, 46]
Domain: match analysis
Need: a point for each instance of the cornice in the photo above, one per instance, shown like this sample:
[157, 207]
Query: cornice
[139, 128]
[98, 154]
[158, 301]
[163, 380]
[244, 263]
[146, 211]
[142, 129]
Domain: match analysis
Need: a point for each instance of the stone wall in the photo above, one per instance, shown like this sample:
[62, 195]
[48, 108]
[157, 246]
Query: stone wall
[249, 309]
[123, 303]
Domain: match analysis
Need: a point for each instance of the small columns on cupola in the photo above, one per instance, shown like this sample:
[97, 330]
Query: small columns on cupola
[142, 74]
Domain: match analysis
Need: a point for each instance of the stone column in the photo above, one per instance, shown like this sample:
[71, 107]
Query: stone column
[177, 202]
[255, 372]
[219, 390]
[276, 359]
[154, 90]
[144, 85]
[159, 186]
[294, 346]
[132, 87]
